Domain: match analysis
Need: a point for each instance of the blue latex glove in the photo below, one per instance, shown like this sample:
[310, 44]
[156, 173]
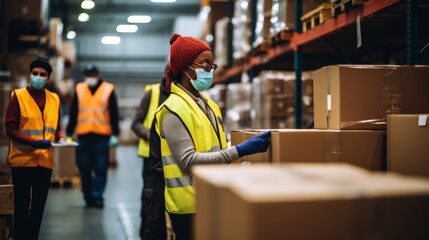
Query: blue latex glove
[42, 144]
[255, 144]
[113, 141]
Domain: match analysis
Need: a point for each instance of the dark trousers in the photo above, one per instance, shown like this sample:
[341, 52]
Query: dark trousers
[92, 159]
[153, 205]
[30, 188]
[182, 225]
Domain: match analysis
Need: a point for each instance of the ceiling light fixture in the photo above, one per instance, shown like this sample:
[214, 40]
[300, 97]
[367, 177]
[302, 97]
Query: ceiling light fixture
[83, 17]
[87, 4]
[71, 35]
[139, 19]
[111, 40]
[127, 28]
[163, 1]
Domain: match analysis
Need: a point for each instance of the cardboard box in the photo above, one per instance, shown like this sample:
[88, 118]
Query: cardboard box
[308, 201]
[240, 136]
[65, 162]
[55, 35]
[363, 148]
[408, 144]
[27, 10]
[278, 106]
[361, 96]
[6, 199]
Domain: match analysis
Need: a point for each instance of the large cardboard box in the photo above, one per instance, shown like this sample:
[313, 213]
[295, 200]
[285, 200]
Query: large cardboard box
[308, 201]
[361, 96]
[65, 162]
[27, 10]
[363, 148]
[408, 144]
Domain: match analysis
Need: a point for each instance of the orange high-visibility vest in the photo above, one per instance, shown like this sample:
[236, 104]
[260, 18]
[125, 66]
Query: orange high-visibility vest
[93, 110]
[35, 124]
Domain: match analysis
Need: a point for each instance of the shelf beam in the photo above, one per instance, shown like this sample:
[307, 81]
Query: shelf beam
[412, 32]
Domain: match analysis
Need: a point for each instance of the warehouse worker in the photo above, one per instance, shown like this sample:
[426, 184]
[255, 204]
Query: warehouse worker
[32, 122]
[189, 129]
[152, 199]
[94, 114]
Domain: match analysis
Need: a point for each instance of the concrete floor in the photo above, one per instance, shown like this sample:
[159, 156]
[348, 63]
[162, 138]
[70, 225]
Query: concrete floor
[66, 217]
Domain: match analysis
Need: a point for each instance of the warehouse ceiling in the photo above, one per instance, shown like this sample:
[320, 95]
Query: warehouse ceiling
[141, 56]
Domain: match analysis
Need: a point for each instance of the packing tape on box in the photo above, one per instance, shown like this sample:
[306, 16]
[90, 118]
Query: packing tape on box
[333, 146]
[392, 99]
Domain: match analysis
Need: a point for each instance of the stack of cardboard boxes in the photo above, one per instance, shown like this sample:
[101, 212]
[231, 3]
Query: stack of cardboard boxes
[273, 99]
[351, 105]
[237, 106]
[308, 201]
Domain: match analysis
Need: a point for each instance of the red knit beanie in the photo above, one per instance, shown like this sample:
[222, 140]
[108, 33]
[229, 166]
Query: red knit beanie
[182, 53]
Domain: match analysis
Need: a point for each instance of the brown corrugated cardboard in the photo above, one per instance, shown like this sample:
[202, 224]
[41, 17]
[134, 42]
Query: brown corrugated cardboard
[65, 162]
[408, 144]
[360, 96]
[363, 148]
[307, 201]
[278, 106]
[6, 199]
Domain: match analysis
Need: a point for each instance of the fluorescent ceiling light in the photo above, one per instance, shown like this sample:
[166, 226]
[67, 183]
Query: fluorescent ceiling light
[83, 17]
[163, 1]
[87, 4]
[111, 40]
[71, 35]
[139, 19]
[127, 28]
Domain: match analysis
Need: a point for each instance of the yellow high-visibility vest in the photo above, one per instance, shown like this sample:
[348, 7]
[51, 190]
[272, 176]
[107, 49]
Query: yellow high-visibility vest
[37, 125]
[179, 186]
[93, 110]
[147, 123]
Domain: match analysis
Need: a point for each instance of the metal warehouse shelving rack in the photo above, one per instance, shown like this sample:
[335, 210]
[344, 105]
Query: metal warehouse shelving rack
[383, 24]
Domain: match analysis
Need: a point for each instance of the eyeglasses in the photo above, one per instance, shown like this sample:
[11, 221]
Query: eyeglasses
[207, 67]
[36, 73]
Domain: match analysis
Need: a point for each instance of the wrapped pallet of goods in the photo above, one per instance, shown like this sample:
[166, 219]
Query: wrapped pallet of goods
[218, 95]
[221, 43]
[237, 107]
[263, 25]
[283, 16]
[273, 99]
[55, 35]
[241, 32]
[211, 11]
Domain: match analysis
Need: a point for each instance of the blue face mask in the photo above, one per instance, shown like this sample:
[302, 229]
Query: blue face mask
[204, 79]
[37, 82]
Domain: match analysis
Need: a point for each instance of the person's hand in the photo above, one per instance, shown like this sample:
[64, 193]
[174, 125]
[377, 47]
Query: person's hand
[113, 141]
[42, 144]
[62, 139]
[69, 139]
[255, 144]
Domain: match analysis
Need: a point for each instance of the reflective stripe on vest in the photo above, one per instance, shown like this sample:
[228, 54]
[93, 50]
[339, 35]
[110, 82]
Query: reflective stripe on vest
[93, 109]
[37, 125]
[179, 186]
[147, 123]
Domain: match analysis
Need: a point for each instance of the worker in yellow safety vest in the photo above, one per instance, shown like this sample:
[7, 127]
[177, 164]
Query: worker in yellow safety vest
[152, 199]
[189, 129]
[32, 123]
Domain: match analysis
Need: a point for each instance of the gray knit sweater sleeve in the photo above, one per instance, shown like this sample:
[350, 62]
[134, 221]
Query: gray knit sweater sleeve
[183, 150]
[137, 125]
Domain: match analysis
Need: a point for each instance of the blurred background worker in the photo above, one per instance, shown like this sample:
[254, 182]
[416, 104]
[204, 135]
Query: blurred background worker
[94, 114]
[152, 199]
[189, 129]
[32, 123]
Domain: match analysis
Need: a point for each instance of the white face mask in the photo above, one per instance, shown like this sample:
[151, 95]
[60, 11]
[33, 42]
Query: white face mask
[92, 81]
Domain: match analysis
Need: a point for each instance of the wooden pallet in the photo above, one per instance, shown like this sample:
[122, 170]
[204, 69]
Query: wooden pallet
[340, 6]
[316, 17]
[262, 47]
[284, 35]
[65, 182]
